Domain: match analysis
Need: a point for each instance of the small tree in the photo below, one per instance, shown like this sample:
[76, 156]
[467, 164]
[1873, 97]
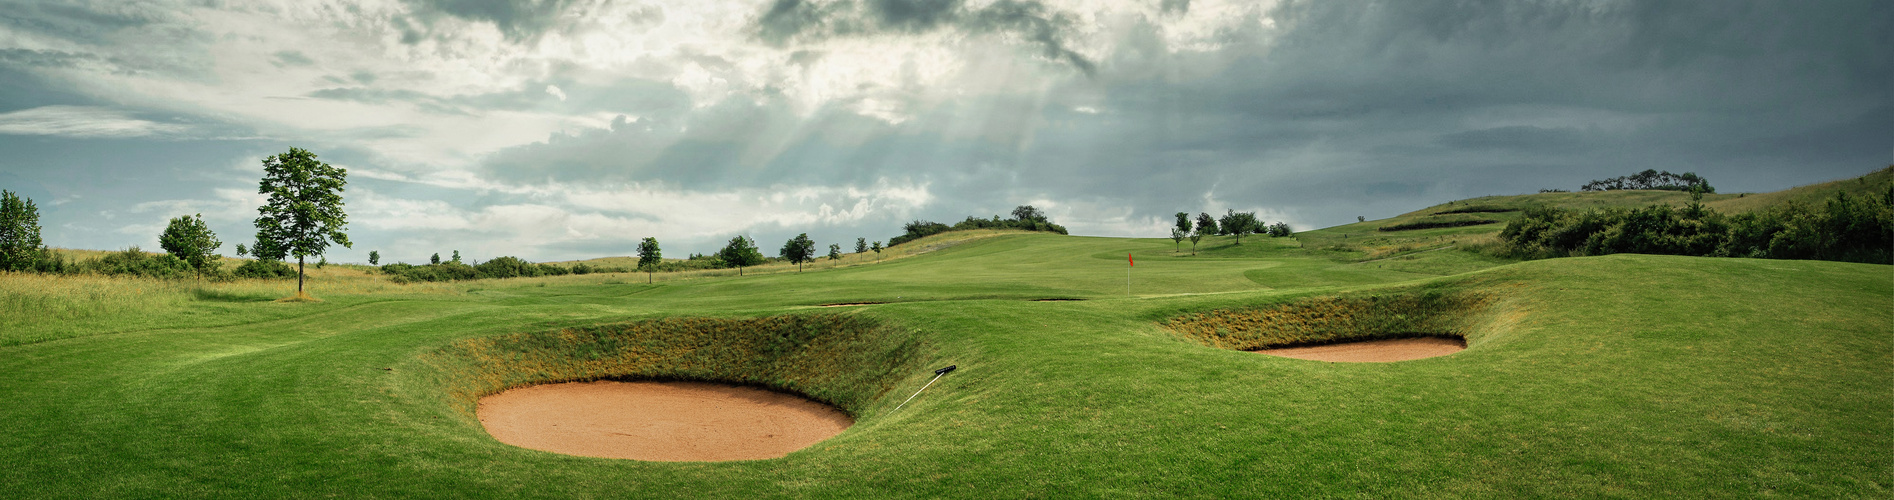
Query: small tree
[374, 258]
[1280, 230]
[20, 246]
[1182, 230]
[798, 250]
[303, 214]
[241, 251]
[1206, 225]
[192, 241]
[434, 259]
[877, 248]
[835, 251]
[1361, 218]
[456, 256]
[1196, 235]
[740, 252]
[861, 246]
[648, 258]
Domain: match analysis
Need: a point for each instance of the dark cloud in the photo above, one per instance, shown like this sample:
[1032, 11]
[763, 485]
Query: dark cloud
[1175, 7]
[517, 19]
[787, 22]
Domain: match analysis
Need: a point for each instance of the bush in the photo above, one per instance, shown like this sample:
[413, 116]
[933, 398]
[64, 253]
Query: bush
[135, 262]
[1849, 229]
[264, 269]
[1436, 223]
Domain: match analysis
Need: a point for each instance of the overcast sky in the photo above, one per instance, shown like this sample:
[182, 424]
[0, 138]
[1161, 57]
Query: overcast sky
[562, 129]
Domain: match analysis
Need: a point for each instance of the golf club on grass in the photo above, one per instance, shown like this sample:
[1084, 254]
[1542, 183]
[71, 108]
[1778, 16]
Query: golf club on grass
[937, 375]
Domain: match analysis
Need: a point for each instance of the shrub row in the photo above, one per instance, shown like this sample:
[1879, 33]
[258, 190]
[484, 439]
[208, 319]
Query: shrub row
[847, 361]
[1845, 228]
[502, 267]
[1436, 223]
[1323, 320]
[1477, 209]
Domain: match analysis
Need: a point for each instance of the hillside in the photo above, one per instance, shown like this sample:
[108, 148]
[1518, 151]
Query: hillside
[1623, 375]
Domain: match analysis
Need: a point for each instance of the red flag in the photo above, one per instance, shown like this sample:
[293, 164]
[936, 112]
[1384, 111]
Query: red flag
[1133, 262]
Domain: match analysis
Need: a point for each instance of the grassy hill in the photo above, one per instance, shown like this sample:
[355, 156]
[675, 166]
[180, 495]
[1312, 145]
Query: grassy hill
[1624, 375]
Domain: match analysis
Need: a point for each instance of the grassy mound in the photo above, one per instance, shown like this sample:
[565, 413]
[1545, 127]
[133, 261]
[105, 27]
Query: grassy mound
[845, 361]
[1334, 319]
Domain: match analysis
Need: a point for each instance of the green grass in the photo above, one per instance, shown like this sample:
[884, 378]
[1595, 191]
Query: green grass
[1615, 376]
[1624, 375]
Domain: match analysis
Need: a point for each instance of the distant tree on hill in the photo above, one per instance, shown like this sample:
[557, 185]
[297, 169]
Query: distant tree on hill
[456, 256]
[192, 241]
[374, 258]
[861, 246]
[1026, 213]
[1239, 223]
[1279, 230]
[740, 252]
[649, 256]
[303, 213]
[1206, 225]
[1181, 230]
[877, 249]
[798, 250]
[835, 251]
[1652, 179]
[20, 245]
[435, 259]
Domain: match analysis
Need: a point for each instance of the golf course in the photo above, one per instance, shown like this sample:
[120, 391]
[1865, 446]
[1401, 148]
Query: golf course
[1601, 376]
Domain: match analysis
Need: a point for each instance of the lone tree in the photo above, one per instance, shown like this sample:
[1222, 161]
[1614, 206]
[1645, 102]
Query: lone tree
[861, 246]
[374, 258]
[434, 259]
[798, 250]
[1182, 230]
[304, 212]
[740, 252]
[835, 251]
[648, 257]
[20, 246]
[877, 249]
[1239, 224]
[1026, 213]
[191, 241]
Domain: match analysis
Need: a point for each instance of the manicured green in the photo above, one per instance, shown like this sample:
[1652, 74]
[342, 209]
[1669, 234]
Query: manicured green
[1624, 375]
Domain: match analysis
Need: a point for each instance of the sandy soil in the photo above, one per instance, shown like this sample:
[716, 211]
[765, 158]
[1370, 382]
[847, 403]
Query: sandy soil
[658, 421]
[1374, 351]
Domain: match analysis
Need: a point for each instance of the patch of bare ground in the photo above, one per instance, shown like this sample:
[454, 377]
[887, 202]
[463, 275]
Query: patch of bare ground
[1374, 351]
[659, 421]
[851, 304]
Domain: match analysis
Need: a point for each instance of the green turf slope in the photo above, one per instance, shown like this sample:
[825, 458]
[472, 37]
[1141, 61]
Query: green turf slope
[1624, 375]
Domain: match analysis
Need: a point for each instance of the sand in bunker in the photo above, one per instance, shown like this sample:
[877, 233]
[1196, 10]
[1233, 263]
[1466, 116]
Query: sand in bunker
[1374, 350]
[658, 421]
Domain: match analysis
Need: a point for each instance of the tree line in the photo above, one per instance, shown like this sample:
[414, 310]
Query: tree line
[1844, 228]
[304, 215]
[1651, 179]
[1024, 217]
[1232, 223]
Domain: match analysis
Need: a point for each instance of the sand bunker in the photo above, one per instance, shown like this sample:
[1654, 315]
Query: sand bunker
[1374, 351]
[658, 421]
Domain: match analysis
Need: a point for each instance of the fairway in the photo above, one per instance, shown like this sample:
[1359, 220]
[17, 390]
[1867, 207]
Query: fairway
[1623, 375]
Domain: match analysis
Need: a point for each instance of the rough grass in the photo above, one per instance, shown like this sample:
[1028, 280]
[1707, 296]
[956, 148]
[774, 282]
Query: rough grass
[1624, 375]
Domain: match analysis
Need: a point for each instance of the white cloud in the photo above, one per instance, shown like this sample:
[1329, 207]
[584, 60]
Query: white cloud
[81, 121]
[554, 91]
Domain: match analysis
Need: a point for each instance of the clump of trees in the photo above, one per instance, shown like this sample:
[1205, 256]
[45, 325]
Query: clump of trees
[741, 252]
[1845, 228]
[498, 268]
[1024, 217]
[1233, 223]
[1650, 179]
